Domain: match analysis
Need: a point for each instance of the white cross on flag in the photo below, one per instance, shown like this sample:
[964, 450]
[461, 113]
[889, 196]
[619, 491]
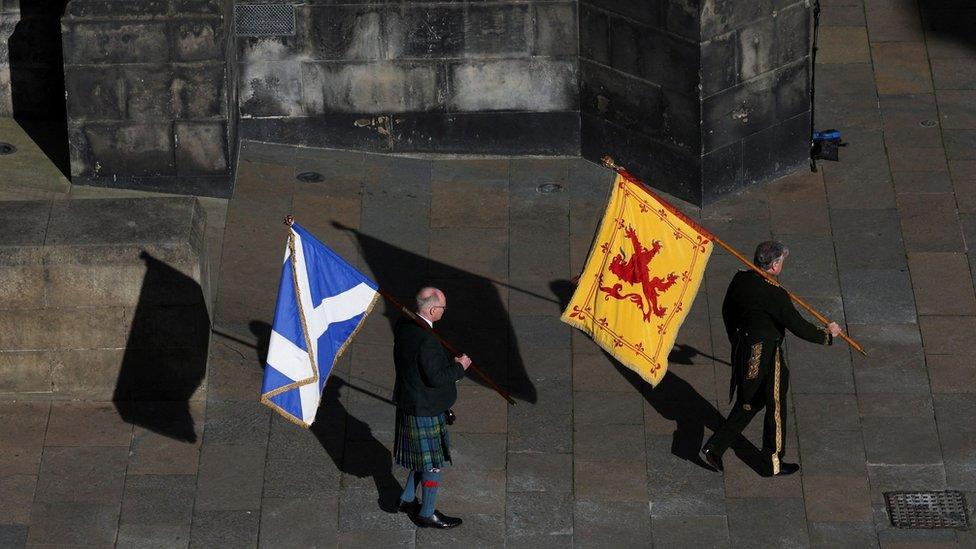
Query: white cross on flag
[322, 302]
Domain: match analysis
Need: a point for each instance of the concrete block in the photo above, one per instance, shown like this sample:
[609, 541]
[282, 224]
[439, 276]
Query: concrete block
[530, 85]
[198, 40]
[25, 372]
[270, 89]
[199, 91]
[94, 94]
[201, 147]
[497, 30]
[555, 31]
[139, 149]
[92, 42]
[372, 87]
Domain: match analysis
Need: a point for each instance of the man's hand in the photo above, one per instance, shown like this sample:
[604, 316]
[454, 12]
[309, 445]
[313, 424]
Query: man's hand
[463, 360]
[834, 329]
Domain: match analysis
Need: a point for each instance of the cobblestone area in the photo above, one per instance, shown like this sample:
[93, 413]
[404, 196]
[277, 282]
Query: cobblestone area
[591, 456]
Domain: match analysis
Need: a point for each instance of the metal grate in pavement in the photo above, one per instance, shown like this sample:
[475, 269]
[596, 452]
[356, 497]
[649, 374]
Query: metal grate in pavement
[944, 509]
[265, 19]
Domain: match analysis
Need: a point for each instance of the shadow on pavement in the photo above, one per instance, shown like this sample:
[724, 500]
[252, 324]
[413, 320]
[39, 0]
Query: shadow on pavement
[165, 356]
[950, 21]
[477, 320]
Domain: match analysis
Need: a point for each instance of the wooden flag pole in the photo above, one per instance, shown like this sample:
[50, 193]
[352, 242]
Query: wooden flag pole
[289, 219]
[447, 345]
[609, 163]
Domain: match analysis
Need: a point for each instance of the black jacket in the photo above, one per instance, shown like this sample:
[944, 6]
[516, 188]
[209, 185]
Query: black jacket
[425, 373]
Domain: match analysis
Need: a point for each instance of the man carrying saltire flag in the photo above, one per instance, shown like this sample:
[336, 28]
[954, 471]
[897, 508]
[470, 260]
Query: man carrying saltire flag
[641, 277]
[322, 302]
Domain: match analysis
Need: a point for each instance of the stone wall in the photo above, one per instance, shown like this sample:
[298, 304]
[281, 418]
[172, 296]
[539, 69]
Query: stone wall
[104, 301]
[147, 94]
[698, 97]
[477, 77]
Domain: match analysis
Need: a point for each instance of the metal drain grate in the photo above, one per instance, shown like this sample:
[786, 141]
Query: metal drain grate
[946, 509]
[265, 19]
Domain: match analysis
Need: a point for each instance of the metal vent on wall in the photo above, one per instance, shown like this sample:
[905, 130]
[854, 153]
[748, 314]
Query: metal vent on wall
[944, 509]
[265, 19]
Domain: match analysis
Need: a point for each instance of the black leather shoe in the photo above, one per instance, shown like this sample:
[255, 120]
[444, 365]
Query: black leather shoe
[409, 507]
[437, 520]
[787, 469]
[714, 461]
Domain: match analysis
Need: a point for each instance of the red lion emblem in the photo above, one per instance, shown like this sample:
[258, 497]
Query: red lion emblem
[635, 271]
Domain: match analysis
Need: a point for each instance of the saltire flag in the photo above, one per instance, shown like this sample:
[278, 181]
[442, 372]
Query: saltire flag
[322, 302]
[640, 279]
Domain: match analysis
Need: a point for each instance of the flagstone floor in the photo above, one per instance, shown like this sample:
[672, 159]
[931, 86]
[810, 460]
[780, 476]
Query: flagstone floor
[590, 456]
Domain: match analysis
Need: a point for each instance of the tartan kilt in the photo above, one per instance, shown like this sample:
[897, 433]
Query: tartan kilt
[421, 443]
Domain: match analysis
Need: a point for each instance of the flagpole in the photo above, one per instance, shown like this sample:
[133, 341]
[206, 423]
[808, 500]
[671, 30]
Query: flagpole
[447, 345]
[609, 163]
[289, 220]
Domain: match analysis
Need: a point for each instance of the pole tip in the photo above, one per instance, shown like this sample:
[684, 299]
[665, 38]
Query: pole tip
[289, 220]
[608, 162]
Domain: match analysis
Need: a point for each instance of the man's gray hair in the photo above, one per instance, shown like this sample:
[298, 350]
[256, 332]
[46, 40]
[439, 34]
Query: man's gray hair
[768, 252]
[426, 298]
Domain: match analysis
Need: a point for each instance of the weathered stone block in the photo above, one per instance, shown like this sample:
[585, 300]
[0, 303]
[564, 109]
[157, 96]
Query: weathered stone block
[210, 7]
[94, 94]
[555, 29]
[645, 13]
[757, 49]
[372, 87]
[495, 30]
[349, 32]
[792, 34]
[719, 69]
[198, 91]
[110, 8]
[147, 92]
[198, 40]
[142, 149]
[270, 89]
[25, 371]
[201, 147]
[530, 85]
[594, 33]
[428, 31]
[87, 42]
[721, 16]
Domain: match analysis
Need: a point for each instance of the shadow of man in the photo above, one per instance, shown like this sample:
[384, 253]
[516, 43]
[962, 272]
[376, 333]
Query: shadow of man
[348, 440]
[165, 356]
[477, 319]
[676, 400]
[37, 92]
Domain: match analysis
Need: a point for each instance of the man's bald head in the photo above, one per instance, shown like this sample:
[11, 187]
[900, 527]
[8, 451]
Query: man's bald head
[429, 297]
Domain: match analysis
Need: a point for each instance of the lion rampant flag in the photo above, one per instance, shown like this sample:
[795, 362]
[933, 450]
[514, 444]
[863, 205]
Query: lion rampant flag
[640, 279]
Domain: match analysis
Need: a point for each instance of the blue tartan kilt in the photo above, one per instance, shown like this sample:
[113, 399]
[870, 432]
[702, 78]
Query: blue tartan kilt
[421, 443]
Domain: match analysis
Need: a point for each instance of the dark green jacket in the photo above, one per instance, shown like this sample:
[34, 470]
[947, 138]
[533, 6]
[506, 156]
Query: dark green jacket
[425, 373]
[756, 315]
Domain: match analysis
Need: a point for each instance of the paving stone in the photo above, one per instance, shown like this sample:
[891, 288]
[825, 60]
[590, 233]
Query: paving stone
[477, 531]
[837, 499]
[360, 510]
[607, 408]
[679, 488]
[951, 373]
[237, 423]
[225, 528]
[472, 492]
[13, 535]
[960, 144]
[922, 182]
[605, 524]
[153, 535]
[596, 372]
[843, 45]
[929, 223]
[891, 478]
[956, 431]
[832, 453]
[889, 536]
[479, 452]
[230, 479]
[942, 284]
[591, 441]
[842, 16]
[770, 522]
[299, 522]
[540, 472]
[18, 494]
[73, 523]
[741, 481]
[449, 246]
[895, 405]
[539, 513]
[873, 296]
[895, 363]
[901, 67]
[385, 538]
[956, 109]
[547, 434]
[81, 474]
[480, 410]
[842, 534]
[798, 205]
[303, 478]
[610, 480]
[917, 158]
[910, 440]
[460, 203]
[155, 454]
[676, 532]
[946, 335]
[827, 412]
[858, 112]
[810, 269]
[953, 74]
[158, 500]
[893, 21]
[86, 424]
[22, 426]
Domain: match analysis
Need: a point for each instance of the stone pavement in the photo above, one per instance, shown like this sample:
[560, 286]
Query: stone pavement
[590, 456]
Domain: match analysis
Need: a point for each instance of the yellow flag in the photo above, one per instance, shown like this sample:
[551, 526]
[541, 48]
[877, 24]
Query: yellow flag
[640, 279]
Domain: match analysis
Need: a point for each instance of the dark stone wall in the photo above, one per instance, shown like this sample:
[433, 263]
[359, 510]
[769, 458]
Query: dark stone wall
[466, 76]
[146, 93]
[698, 97]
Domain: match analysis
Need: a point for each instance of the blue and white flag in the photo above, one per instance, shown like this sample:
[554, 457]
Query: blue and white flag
[322, 302]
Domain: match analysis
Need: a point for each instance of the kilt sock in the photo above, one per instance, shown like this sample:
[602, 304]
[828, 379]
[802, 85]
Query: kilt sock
[431, 481]
[410, 490]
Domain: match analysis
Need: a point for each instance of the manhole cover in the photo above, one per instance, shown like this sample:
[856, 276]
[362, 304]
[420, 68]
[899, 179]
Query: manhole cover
[7, 148]
[945, 509]
[310, 177]
[549, 188]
